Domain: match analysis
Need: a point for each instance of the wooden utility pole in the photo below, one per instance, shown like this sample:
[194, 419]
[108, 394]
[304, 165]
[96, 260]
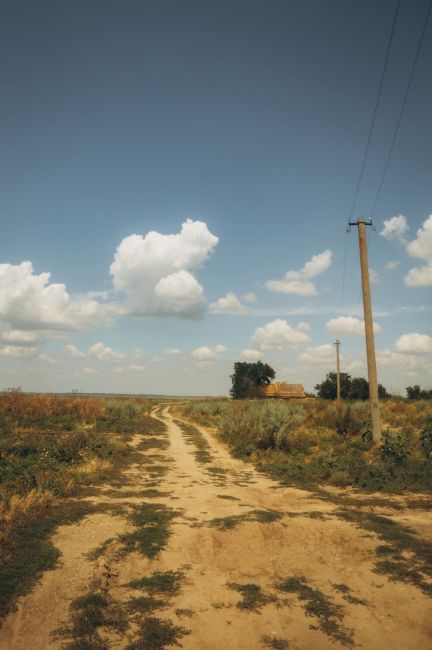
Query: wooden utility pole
[369, 333]
[338, 388]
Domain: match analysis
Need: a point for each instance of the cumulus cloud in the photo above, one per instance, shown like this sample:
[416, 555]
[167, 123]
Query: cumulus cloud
[20, 337]
[414, 343]
[139, 354]
[391, 265]
[228, 304]
[29, 301]
[320, 355]
[250, 298]
[421, 247]
[350, 326]
[250, 355]
[131, 367]
[73, 351]
[172, 351]
[299, 282]
[278, 335]
[153, 273]
[18, 351]
[90, 371]
[374, 276]
[204, 353]
[395, 229]
[104, 353]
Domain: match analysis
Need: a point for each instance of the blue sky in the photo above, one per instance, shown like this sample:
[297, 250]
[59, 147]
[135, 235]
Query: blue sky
[244, 120]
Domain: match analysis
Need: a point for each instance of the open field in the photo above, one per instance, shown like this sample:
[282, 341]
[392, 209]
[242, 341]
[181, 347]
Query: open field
[209, 524]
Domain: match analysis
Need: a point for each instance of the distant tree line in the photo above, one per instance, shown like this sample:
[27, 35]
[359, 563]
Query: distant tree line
[415, 392]
[351, 387]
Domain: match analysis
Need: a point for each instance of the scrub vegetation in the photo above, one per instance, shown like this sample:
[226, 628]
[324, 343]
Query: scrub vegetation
[309, 442]
[51, 448]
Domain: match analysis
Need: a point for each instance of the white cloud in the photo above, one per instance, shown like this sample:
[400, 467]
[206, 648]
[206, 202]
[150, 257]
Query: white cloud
[250, 355]
[303, 327]
[299, 282]
[47, 359]
[421, 247]
[29, 301]
[420, 277]
[374, 276]
[18, 351]
[228, 304]
[350, 326]
[391, 265]
[320, 355]
[21, 337]
[153, 272]
[104, 353]
[278, 335]
[204, 353]
[172, 351]
[133, 367]
[395, 229]
[73, 351]
[250, 297]
[139, 354]
[414, 343]
[90, 371]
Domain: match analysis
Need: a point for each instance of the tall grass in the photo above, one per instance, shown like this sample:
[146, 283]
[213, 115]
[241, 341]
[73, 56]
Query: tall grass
[49, 447]
[308, 442]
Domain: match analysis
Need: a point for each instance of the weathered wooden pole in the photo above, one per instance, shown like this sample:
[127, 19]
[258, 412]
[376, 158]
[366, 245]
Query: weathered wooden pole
[369, 333]
[338, 387]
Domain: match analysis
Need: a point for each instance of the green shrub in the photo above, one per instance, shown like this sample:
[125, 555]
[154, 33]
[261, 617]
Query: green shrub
[396, 445]
[426, 438]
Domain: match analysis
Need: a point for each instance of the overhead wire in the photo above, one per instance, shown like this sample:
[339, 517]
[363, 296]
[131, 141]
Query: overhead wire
[401, 113]
[380, 87]
[366, 151]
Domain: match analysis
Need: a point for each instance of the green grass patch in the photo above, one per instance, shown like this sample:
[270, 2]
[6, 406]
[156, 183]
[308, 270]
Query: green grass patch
[156, 634]
[319, 606]
[152, 522]
[89, 614]
[347, 595]
[275, 643]
[404, 557]
[160, 582]
[230, 522]
[253, 598]
[194, 437]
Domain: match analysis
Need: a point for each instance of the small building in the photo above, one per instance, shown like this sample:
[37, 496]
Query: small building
[282, 390]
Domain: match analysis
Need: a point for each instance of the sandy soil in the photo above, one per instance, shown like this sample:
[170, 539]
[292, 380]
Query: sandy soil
[325, 550]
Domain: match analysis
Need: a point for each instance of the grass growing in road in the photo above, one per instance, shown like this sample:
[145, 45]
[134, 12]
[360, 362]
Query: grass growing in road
[404, 557]
[152, 522]
[320, 607]
[89, 614]
[232, 521]
[194, 437]
[160, 582]
[275, 643]
[253, 597]
[156, 634]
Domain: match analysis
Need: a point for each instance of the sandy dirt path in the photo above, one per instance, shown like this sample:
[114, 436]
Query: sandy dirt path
[235, 537]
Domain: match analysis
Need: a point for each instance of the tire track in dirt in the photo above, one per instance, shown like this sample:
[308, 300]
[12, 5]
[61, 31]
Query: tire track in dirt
[235, 537]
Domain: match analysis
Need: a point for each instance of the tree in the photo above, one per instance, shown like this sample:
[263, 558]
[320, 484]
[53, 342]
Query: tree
[359, 388]
[327, 388]
[248, 378]
[415, 392]
[382, 392]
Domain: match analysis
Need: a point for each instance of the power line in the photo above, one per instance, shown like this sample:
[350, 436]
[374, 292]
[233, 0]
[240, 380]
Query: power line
[365, 155]
[366, 151]
[396, 131]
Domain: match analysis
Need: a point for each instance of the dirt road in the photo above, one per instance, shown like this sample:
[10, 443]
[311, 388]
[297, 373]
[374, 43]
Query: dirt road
[219, 557]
